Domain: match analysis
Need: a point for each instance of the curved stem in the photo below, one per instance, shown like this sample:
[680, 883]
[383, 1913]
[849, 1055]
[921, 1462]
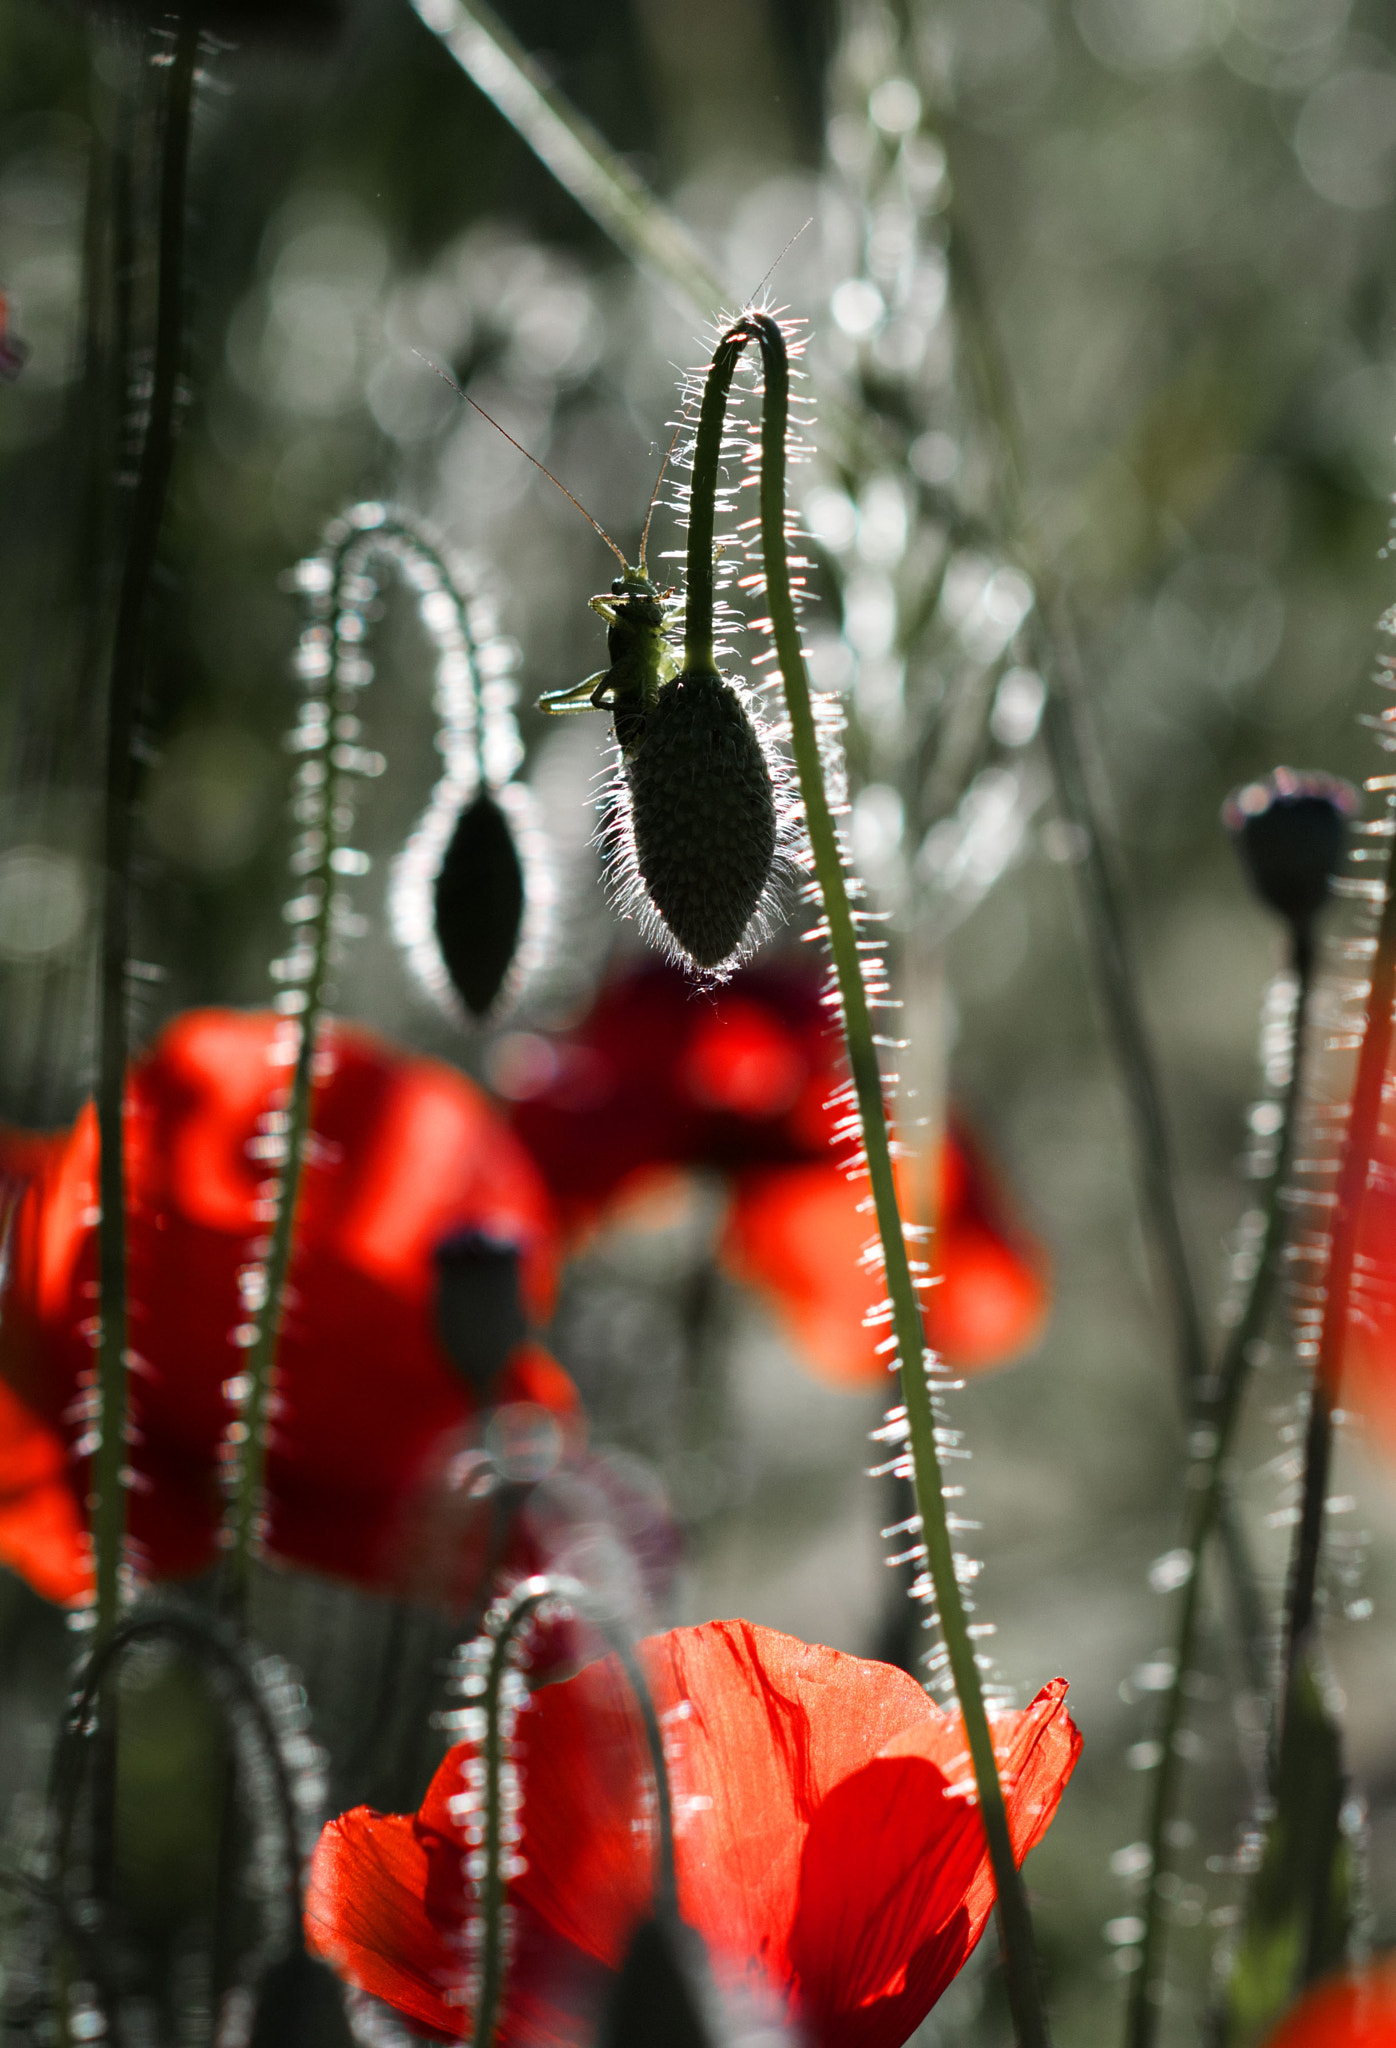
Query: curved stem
[531, 1596]
[349, 555]
[699, 651]
[1207, 1492]
[127, 664]
[1020, 1963]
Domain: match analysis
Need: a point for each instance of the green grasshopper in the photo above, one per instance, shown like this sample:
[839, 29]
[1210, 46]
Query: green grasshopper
[639, 622]
[640, 619]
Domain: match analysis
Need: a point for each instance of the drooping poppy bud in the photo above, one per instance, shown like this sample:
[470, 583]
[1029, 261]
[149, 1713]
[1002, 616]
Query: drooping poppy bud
[703, 811]
[1291, 832]
[479, 903]
[479, 1315]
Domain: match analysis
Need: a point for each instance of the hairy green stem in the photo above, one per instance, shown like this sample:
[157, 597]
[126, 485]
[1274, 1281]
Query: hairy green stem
[1359, 1142]
[1205, 1498]
[127, 664]
[532, 1594]
[1020, 1962]
[348, 560]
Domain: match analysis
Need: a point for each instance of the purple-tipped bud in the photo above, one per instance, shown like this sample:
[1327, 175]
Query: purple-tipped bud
[1291, 832]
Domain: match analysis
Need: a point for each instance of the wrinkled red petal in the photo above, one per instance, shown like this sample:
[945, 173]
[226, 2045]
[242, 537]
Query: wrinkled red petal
[897, 1886]
[828, 1845]
[1348, 2012]
[386, 1908]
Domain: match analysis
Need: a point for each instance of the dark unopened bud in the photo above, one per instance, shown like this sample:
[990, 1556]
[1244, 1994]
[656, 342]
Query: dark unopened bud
[478, 1312]
[1291, 831]
[704, 815]
[479, 901]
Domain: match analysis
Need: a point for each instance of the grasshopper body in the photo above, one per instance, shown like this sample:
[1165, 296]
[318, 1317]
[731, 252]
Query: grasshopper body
[638, 619]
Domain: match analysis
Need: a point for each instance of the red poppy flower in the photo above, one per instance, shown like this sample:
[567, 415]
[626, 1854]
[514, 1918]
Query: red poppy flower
[827, 1843]
[1369, 1360]
[796, 1233]
[406, 1156]
[739, 1079]
[1347, 2012]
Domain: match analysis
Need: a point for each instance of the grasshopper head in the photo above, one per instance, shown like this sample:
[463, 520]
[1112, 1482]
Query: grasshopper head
[634, 583]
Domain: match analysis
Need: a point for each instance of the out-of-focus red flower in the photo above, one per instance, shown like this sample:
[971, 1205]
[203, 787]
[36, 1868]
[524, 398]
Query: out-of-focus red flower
[828, 1847]
[796, 1233]
[1369, 1356]
[661, 1073]
[406, 1155]
[1348, 2012]
[738, 1079]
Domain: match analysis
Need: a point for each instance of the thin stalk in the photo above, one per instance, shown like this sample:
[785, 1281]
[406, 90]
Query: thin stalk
[1359, 1140]
[531, 1596]
[127, 665]
[605, 185]
[1019, 1958]
[248, 1432]
[1206, 1495]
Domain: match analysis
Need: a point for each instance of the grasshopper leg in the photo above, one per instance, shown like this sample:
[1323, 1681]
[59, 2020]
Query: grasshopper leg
[581, 696]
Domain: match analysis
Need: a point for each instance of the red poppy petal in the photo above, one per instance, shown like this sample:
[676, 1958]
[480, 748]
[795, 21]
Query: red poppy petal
[386, 1909]
[366, 1915]
[1349, 2012]
[895, 1883]
[773, 1726]
[41, 1529]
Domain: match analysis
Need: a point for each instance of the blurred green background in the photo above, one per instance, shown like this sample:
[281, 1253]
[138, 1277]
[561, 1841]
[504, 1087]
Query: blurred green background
[1179, 217]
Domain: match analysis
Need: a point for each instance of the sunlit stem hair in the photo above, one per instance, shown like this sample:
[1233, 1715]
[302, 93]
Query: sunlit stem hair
[127, 667]
[1020, 1964]
[339, 582]
[503, 1627]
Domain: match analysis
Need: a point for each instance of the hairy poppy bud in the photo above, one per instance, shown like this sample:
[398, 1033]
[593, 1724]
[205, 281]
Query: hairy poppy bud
[479, 903]
[1291, 833]
[704, 815]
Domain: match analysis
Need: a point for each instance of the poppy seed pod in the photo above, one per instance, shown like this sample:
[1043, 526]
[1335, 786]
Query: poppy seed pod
[704, 815]
[1291, 832]
[479, 903]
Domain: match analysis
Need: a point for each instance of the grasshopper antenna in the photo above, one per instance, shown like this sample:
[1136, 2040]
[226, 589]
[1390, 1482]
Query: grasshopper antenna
[446, 378]
[754, 296]
[654, 494]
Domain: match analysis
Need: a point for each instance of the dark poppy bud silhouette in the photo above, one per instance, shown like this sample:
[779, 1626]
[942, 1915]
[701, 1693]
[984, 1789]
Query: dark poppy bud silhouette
[1291, 833]
[703, 812]
[479, 903]
[479, 1313]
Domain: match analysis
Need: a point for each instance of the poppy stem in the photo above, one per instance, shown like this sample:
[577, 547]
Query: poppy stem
[1359, 1144]
[1019, 1957]
[503, 1626]
[128, 651]
[1207, 1491]
[324, 805]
